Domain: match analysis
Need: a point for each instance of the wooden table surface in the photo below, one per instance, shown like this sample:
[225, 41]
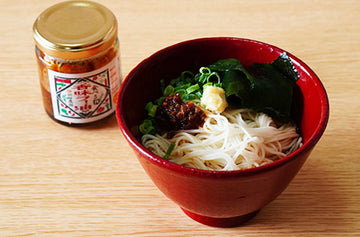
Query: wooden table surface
[62, 181]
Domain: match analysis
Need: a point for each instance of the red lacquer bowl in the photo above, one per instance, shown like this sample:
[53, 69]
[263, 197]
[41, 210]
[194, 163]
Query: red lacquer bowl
[219, 198]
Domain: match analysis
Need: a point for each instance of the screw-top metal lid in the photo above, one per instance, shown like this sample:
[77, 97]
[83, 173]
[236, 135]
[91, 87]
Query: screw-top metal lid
[72, 27]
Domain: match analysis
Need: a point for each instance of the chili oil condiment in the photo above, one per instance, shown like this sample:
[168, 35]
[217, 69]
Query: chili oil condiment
[77, 50]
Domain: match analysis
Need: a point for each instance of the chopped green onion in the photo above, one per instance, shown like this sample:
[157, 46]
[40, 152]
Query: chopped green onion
[205, 70]
[192, 88]
[188, 97]
[199, 94]
[152, 111]
[180, 91]
[173, 82]
[202, 78]
[169, 90]
[208, 84]
[162, 85]
[185, 73]
[147, 127]
[169, 150]
[159, 100]
[197, 77]
[211, 75]
[182, 86]
[148, 106]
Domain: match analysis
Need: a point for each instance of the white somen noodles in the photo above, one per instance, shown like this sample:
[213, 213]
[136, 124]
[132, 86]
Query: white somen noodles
[232, 140]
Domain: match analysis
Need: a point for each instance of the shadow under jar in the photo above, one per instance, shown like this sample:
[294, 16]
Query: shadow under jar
[77, 51]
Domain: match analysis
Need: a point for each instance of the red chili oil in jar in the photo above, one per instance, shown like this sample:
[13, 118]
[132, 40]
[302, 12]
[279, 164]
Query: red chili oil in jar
[77, 51]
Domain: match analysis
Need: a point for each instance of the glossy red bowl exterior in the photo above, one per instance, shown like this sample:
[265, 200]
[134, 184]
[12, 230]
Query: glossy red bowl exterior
[219, 198]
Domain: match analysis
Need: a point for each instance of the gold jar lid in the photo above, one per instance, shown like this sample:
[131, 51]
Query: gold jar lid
[75, 29]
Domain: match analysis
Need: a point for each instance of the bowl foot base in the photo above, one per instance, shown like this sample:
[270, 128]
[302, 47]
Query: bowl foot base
[221, 222]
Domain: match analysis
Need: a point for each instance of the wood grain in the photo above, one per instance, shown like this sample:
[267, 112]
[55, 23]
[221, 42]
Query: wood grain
[61, 181]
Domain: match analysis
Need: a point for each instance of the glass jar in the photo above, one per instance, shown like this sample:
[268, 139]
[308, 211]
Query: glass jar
[77, 51]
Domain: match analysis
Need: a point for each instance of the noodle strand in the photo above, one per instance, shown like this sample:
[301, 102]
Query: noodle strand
[232, 140]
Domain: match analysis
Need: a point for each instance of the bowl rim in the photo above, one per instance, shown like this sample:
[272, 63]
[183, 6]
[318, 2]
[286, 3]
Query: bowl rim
[307, 146]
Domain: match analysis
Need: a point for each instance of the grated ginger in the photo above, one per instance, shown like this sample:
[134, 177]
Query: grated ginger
[213, 99]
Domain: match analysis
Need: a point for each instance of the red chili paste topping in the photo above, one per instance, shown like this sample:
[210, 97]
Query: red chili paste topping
[174, 114]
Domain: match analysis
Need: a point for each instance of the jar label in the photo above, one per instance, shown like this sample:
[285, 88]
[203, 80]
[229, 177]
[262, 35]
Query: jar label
[85, 97]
